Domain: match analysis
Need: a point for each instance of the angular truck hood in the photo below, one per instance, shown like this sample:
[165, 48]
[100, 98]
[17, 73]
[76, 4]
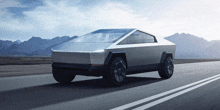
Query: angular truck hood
[80, 47]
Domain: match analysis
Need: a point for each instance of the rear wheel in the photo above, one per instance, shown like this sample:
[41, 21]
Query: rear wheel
[62, 77]
[117, 72]
[166, 68]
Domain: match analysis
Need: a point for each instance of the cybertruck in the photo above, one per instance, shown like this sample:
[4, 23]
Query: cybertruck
[112, 54]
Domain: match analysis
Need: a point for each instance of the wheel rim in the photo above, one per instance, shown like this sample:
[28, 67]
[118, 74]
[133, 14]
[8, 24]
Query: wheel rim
[119, 71]
[170, 67]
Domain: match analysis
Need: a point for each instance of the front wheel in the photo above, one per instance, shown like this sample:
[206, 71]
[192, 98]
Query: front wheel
[166, 69]
[117, 72]
[62, 77]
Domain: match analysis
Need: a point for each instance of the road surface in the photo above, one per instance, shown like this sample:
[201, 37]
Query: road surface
[194, 86]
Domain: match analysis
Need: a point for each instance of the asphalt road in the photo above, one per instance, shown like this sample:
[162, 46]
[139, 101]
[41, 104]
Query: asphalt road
[21, 70]
[194, 86]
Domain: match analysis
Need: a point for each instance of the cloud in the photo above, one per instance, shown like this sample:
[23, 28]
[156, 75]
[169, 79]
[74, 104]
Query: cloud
[4, 4]
[197, 17]
[7, 22]
[162, 18]
[60, 18]
[9, 3]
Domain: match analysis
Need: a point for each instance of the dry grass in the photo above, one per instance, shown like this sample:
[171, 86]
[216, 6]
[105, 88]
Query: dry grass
[24, 60]
[48, 60]
[181, 61]
[19, 66]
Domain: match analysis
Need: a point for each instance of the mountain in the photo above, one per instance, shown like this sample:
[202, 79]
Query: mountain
[187, 46]
[190, 46]
[214, 50]
[215, 41]
[35, 46]
[5, 44]
[18, 41]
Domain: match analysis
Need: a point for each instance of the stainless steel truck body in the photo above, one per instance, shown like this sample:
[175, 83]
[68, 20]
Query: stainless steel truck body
[113, 54]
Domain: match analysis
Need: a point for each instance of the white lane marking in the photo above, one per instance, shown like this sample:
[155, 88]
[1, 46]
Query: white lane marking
[173, 95]
[126, 106]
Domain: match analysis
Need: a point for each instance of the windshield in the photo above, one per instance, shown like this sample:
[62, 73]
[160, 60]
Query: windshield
[102, 36]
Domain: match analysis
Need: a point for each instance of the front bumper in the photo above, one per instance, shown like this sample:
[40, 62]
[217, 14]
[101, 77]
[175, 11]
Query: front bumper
[80, 69]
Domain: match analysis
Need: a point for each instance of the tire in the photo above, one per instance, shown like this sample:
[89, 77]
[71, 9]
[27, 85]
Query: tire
[166, 69]
[117, 72]
[62, 77]
[105, 77]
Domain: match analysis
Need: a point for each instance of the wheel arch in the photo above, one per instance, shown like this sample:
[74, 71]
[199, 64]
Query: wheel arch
[113, 54]
[165, 55]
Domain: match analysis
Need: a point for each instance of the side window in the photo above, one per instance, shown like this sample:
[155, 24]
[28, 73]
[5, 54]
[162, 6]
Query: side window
[137, 38]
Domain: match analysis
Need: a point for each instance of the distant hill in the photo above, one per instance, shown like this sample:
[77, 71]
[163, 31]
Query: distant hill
[190, 46]
[187, 46]
[18, 41]
[214, 50]
[35, 46]
[5, 44]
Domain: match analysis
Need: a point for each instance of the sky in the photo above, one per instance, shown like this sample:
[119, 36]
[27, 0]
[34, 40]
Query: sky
[22, 19]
